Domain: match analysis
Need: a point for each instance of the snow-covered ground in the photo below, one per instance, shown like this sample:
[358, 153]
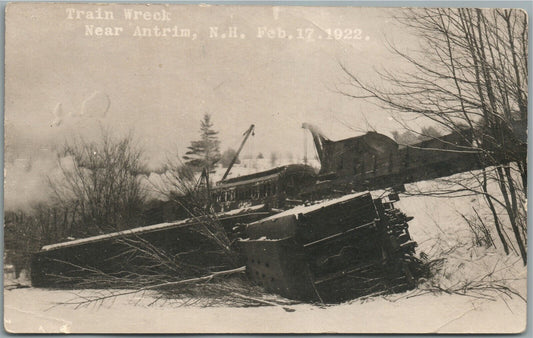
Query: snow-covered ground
[28, 310]
[440, 231]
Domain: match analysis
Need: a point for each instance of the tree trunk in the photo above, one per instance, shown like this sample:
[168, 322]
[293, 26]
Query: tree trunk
[512, 215]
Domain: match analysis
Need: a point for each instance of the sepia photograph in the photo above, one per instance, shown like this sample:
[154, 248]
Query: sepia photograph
[204, 168]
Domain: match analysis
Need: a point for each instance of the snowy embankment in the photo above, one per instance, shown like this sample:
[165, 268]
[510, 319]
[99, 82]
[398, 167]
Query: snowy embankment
[479, 279]
[28, 310]
[441, 230]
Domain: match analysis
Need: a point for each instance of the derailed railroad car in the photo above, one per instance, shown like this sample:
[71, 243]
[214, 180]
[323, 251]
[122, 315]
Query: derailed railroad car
[332, 251]
[438, 157]
[81, 262]
[375, 161]
[275, 188]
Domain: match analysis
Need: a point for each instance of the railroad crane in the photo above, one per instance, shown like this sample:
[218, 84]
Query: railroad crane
[246, 135]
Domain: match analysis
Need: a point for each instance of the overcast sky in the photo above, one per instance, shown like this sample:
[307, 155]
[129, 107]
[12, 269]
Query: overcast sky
[60, 81]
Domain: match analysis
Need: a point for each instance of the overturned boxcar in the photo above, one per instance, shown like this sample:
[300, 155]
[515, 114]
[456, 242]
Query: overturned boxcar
[332, 251]
[80, 263]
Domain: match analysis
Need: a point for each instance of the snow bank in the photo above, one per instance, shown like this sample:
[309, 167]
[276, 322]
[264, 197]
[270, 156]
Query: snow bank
[30, 311]
[442, 233]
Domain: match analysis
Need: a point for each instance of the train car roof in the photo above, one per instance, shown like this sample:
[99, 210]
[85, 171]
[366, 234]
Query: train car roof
[305, 209]
[152, 228]
[373, 140]
[369, 135]
[263, 175]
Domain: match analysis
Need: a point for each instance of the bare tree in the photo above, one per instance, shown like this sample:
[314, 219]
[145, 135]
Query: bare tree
[101, 181]
[182, 187]
[470, 69]
[26, 231]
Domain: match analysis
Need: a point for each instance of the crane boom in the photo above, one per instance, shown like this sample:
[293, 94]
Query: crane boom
[246, 135]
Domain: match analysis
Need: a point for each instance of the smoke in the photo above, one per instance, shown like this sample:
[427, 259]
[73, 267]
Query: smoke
[25, 181]
[59, 115]
[31, 153]
[94, 107]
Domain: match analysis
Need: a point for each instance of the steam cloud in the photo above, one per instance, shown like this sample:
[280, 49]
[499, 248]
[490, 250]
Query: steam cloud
[31, 159]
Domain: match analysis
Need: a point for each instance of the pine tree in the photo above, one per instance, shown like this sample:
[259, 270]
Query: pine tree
[204, 153]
